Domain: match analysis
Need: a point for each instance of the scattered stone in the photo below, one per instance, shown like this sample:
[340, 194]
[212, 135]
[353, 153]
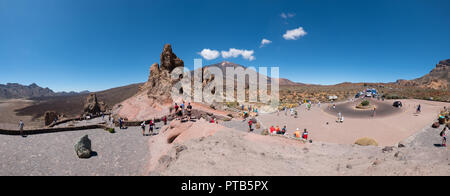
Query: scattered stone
[349, 166]
[180, 148]
[388, 149]
[376, 162]
[165, 160]
[400, 145]
[83, 148]
[305, 150]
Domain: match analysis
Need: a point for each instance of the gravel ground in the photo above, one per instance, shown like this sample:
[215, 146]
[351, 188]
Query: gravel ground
[240, 125]
[122, 153]
[428, 137]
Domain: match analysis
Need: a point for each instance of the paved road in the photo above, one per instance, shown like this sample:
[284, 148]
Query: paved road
[384, 108]
[122, 153]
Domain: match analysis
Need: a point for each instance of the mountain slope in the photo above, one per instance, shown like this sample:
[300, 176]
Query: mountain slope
[14, 90]
[438, 78]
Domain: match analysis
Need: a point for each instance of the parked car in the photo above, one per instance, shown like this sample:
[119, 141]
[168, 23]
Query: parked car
[397, 104]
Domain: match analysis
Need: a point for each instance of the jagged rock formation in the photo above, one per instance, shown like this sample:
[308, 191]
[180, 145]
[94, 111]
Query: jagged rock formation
[50, 116]
[159, 84]
[93, 106]
[438, 78]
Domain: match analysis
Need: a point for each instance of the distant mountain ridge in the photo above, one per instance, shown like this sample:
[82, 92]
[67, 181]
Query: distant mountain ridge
[16, 91]
[223, 65]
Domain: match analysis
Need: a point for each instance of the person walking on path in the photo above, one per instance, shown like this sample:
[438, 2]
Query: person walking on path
[444, 137]
[21, 124]
[419, 109]
[150, 127]
[250, 125]
[143, 128]
[165, 120]
[374, 111]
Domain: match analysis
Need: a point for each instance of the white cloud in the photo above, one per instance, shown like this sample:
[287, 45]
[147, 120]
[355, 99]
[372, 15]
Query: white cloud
[234, 53]
[294, 34]
[209, 54]
[287, 15]
[265, 42]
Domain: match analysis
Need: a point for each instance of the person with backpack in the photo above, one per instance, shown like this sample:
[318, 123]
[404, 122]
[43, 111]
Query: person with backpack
[151, 126]
[250, 125]
[443, 134]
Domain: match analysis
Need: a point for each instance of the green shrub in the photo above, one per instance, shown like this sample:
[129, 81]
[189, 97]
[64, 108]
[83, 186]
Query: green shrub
[365, 103]
[110, 130]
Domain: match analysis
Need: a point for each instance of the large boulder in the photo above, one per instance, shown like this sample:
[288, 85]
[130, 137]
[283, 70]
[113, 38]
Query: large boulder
[93, 106]
[83, 148]
[366, 142]
[160, 83]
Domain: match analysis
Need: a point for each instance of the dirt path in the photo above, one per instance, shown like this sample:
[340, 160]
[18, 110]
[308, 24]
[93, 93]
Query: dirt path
[122, 153]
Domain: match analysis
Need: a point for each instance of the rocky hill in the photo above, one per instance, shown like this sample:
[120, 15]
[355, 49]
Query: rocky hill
[14, 90]
[438, 78]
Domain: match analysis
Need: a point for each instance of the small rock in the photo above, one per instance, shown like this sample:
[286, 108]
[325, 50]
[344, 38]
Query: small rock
[180, 148]
[400, 145]
[165, 160]
[376, 162]
[387, 149]
[349, 166]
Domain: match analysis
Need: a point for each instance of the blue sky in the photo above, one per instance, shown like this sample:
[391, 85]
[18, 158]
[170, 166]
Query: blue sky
[99, 44]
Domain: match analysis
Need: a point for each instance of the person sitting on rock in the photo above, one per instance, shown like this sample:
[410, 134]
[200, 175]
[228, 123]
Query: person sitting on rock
[283, 130]
[278, 131]
[297, 133]
[305, 135]
[272, 129]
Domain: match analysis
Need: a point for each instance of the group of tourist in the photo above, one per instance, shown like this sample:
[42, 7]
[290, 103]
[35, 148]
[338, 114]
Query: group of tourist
[249, 108]
[182, 110]
[277, 130]
[151, 126]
